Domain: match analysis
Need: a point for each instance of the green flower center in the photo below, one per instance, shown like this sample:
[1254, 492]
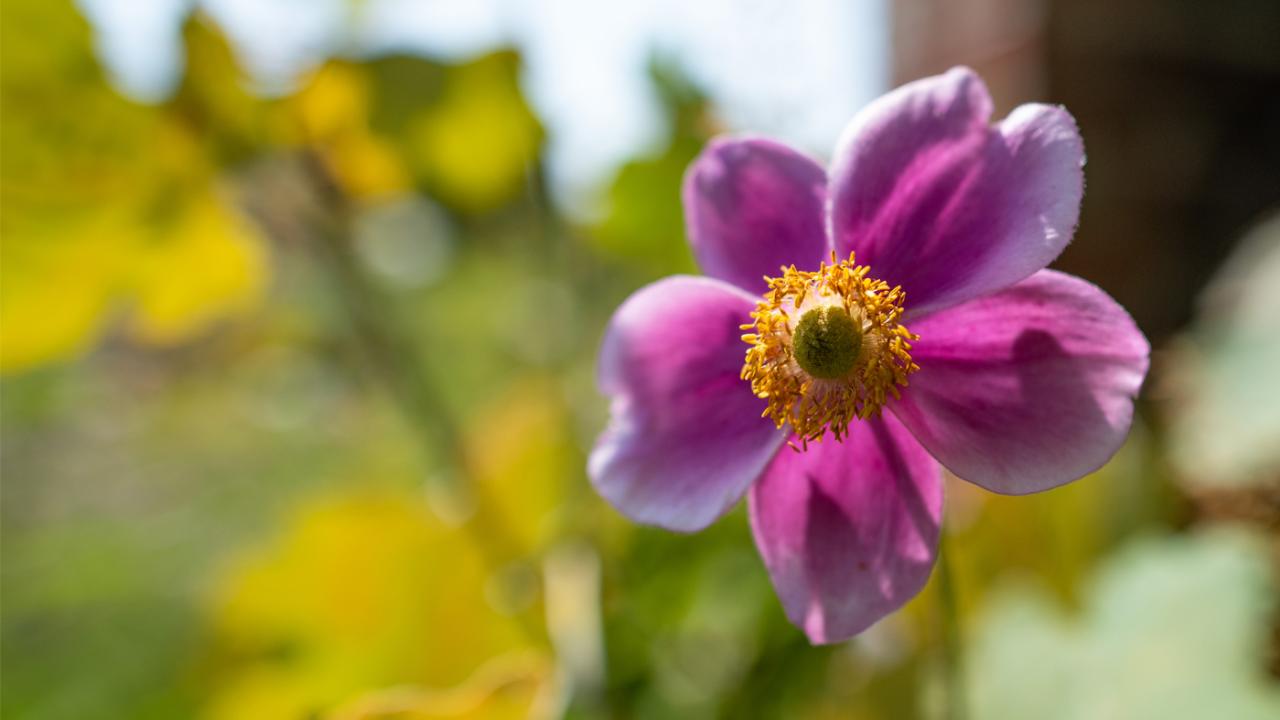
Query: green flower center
[826, 342]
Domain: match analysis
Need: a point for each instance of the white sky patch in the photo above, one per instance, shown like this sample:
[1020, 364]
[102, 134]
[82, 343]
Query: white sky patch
[140, 43]
[444, 28]
[794, 69]
[279, 40]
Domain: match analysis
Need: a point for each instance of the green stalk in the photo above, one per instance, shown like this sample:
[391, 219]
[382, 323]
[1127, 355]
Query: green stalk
[956, 703]
[396, 362]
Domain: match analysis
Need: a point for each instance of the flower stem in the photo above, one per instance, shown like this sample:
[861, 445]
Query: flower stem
[952, 648]
[394, 359]
[392, 354]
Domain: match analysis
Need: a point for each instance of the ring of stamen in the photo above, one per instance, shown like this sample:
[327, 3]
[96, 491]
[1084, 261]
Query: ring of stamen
[827, 348]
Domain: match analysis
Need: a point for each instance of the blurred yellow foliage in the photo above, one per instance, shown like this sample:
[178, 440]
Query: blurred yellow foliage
[362, 592]
[215, 102]
[107, 204]
[478, 144]
[216, 267]
[522, 457]
[518, 686]
[466, 133]
[332, 111]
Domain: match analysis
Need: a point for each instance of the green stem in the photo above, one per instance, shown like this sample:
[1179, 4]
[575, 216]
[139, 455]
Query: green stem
[395, 361]
[392, 354]
[952, 646]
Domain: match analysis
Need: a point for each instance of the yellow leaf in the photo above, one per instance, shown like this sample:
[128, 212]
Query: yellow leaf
[44, 319]
[107, 204]
[362, 591]
[478, 145]
[214, 99]
[522, 456]
[208, 264]
[332, 111]
[512, 687]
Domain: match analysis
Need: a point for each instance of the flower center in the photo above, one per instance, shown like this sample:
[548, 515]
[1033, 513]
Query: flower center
[827, 348]
[826, 342]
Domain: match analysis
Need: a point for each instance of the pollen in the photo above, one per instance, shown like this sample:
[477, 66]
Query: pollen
[827, 347]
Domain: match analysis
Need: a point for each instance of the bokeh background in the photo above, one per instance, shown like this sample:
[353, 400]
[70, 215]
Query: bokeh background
[299, 304]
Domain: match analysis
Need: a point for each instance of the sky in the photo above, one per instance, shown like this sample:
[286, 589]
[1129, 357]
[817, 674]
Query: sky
[794, 69]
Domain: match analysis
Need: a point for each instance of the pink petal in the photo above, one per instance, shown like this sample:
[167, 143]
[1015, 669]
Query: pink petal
[848, 530]
[753, 205]
[1026, 389]
[936, 200]
[686, 438]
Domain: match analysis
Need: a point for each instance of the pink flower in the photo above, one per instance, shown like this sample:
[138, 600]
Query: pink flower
[941, 341]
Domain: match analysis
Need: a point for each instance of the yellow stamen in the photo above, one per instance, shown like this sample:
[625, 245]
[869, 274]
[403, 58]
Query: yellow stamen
[878, 359]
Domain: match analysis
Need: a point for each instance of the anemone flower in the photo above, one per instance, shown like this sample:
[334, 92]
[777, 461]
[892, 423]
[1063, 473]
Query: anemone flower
[898, 319]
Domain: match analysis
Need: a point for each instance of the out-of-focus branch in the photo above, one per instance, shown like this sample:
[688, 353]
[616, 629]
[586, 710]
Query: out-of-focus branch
[952, 647]
[394, 360]
[393, 355]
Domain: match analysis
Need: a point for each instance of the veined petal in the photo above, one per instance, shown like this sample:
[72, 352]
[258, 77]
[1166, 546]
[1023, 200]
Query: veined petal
[936, 200]
[752, 206]
[1028, 388]
[686, 437]
[849, 530]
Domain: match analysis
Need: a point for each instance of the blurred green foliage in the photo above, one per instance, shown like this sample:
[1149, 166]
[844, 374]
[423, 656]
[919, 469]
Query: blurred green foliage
[296, 404]
[644, 223]
[1168, 629]
[1214, 373]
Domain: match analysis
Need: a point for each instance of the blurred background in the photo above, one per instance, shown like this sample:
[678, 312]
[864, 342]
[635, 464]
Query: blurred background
[300, 301]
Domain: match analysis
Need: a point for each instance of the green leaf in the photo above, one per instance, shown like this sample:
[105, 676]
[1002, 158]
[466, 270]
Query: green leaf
[1170, 628]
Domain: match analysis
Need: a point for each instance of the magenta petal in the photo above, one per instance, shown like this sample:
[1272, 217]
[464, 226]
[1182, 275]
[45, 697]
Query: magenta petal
[934, 199]
[1028, 388]
[849, 530]
[686, 438]
[751, 206]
